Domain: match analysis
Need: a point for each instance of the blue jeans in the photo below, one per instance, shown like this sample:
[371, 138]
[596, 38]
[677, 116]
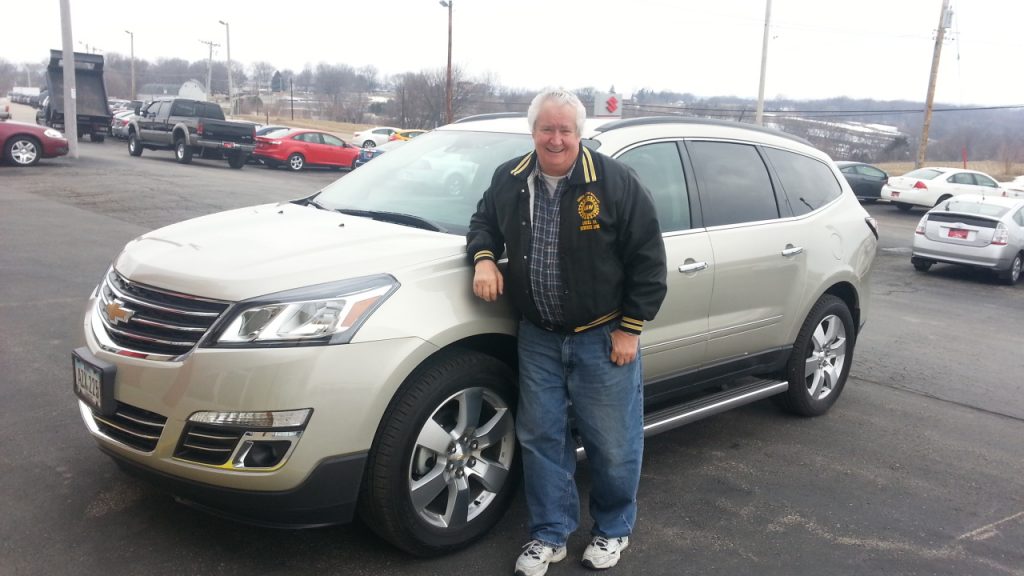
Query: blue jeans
[607, 402]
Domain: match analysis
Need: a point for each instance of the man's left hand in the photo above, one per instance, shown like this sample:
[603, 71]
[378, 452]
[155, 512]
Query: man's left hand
[624, 347]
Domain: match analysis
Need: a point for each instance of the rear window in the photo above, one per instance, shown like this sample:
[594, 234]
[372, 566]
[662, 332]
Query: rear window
[923, 173]
[209, 110]
[961, 207]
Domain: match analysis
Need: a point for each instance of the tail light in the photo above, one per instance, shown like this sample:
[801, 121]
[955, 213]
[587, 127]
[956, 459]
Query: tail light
[921, 225]
[920, 185]
[873, 224]
[199, 128]
[1001, 235]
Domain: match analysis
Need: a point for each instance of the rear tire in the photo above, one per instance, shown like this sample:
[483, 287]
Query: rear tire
[903, 206]
[237, 160]
[296, 162]
[1012, 276]
[821, 358]
[442, 469]
[182, 151]
[369, 144]
[96, 137]
[920, 264]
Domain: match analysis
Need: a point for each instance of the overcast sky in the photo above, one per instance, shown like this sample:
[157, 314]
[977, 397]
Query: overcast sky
[879, 49]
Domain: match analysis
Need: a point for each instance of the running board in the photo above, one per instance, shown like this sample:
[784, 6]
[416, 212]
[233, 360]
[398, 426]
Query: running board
[676, 416]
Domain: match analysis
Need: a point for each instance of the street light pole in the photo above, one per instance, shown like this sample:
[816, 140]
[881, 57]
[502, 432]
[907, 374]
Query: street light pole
[132, 36]
[759, 115]
[231, 88]
[448, 84]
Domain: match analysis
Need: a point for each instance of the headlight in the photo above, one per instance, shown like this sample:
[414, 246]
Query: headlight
[325, 314]
[51, 133]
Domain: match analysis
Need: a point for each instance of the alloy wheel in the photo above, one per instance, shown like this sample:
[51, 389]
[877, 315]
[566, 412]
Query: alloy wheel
[824, 364]
[24, 152]
[461, 458]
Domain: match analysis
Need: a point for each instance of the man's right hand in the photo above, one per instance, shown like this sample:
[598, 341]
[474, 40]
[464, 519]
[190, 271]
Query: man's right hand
[488, 283]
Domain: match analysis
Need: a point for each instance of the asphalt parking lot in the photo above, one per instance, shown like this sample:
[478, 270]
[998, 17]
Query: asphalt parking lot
[919, 469]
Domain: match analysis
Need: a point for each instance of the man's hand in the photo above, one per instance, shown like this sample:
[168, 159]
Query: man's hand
[488, 283]
[624, 347]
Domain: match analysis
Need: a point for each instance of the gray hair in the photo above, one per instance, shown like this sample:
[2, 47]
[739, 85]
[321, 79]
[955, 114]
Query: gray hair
[558, 96]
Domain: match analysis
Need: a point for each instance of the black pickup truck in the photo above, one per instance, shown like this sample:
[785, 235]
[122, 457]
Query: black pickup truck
[190, 127]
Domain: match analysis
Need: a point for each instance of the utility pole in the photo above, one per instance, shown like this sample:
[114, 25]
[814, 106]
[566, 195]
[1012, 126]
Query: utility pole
[231, 88]
[945, 18]
[759, 117]
[448, 84]
[209, 69]
[132, 35]
[70, 92]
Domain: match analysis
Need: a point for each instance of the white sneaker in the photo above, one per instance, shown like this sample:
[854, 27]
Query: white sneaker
[604, 552]
[535, 558]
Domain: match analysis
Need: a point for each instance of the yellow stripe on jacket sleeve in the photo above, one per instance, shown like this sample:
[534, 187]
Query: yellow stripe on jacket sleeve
[483, 254]
[589, 173]
[631, 324]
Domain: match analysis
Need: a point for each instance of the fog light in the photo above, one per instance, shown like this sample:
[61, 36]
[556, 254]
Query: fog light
[264, 420]
[263, 454]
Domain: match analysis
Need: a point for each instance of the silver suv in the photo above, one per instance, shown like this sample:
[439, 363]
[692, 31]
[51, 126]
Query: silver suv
[301, 362]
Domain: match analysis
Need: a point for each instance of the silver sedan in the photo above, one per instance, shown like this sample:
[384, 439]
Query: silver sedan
[977, 231]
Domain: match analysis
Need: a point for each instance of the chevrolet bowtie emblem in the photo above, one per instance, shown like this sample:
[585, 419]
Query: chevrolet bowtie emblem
[117, 314]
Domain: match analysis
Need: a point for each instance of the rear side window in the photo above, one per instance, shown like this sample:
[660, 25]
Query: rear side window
[183, 108]
[660, 169]
[809, 183]
[962, 178]
[734, 183]
[923, 173]
[870, 171]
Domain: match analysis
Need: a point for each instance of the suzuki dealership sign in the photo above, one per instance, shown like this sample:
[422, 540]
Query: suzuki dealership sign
[607, 105]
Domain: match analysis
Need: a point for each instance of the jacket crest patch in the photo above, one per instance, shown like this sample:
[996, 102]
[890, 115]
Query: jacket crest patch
[588, 208]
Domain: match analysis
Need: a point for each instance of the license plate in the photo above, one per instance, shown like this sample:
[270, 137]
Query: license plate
[895, 194]
[962, 234]
[229, 144]
[93, 381]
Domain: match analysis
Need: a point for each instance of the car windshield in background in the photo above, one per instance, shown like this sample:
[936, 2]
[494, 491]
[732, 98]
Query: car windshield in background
[975, 207]
[437, 177]
[923, 173]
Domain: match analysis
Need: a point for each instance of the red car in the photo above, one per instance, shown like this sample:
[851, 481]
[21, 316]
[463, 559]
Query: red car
[297, 149]
[24, 144]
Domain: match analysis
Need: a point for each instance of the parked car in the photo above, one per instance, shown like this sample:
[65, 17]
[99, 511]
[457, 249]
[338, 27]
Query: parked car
[24, 144]
[373, 136]
[406, 134]
[977, 231]
[865, 179]
[299, 148]
[119, 123]
[190, 127]
[367, 154]
[1014, 188]
[928, 187]
[295, 362]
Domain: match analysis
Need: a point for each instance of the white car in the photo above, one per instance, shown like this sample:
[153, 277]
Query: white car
[297, 362]
[927, 187]
[373, 137]
[1014, 188]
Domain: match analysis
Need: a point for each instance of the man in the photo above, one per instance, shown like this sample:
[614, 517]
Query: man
[586, 268]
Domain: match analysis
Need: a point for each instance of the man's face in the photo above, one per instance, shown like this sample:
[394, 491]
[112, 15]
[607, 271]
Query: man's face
[556, 138]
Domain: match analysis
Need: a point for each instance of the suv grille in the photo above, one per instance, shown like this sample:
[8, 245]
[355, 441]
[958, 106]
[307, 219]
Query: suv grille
[154, 321]
[207, 444]
[132, 426]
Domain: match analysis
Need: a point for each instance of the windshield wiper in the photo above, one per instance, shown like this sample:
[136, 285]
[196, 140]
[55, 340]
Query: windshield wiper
[395, 218]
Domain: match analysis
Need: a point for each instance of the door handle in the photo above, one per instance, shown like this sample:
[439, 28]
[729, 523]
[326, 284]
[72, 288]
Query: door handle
[791, 250]
[693, 267]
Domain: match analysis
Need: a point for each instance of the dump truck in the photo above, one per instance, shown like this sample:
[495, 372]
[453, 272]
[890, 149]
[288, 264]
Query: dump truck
[91, 98]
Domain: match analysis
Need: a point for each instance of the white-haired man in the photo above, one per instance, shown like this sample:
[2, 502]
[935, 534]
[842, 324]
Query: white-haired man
[586, 269]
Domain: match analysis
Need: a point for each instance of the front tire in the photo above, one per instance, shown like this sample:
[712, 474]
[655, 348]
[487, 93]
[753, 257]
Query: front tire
[369, 144]
[23, 151]
[134, 146]
[441, 470]
[821, 358]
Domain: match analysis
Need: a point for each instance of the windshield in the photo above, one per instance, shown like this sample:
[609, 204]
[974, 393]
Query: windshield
[437, 177]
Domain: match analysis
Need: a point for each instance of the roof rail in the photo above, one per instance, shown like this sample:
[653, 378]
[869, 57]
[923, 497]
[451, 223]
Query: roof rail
[645, 120]
[490, 116]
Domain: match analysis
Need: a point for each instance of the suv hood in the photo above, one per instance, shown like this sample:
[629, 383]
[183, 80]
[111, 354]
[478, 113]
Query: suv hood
[260, 250]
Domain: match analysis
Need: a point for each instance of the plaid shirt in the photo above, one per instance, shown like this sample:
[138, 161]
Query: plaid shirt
[545, 272]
